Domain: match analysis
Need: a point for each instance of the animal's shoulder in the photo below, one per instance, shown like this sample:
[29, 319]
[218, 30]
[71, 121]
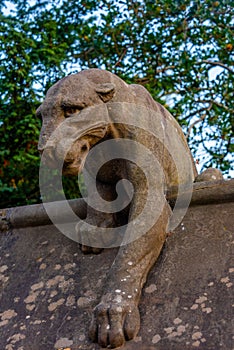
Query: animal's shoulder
[144, 97]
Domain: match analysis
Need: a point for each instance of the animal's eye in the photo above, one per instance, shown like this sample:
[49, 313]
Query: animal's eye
[70, 110]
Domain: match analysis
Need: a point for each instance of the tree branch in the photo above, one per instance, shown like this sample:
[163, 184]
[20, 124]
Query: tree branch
[146, 80]
[215, 103]
[121, 57]
[164, 69]
[217, 63]
[198, 120]
[196, 112]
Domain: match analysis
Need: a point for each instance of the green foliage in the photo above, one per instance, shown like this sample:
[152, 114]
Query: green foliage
[181, 51]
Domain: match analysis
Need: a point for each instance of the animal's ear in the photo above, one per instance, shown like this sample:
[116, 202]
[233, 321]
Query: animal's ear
[105, 91]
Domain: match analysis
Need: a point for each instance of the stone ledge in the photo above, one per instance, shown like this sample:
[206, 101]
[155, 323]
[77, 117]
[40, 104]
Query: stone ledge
[221, 191]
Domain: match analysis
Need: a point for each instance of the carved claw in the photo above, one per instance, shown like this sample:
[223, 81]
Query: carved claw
[114, 322]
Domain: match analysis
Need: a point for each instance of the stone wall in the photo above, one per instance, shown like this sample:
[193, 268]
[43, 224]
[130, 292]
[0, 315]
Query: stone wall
[48, 287]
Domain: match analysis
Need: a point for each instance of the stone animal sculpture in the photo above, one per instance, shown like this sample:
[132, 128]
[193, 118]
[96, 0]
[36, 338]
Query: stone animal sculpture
[116, 318]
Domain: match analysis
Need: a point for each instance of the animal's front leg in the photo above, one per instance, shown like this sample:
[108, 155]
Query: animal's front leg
[87, 230]
[116, 318]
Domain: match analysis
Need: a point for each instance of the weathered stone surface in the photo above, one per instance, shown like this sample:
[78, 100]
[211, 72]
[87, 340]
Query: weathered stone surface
[49, 288]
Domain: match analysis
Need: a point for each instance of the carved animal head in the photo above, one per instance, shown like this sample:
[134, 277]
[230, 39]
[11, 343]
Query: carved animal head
[69, 100]
[79, 102]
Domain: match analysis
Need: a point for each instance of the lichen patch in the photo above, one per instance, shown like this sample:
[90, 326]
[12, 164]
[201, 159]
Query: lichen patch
[156, 339]
[3, 268]
[152, 288]
[71, 300]
[8, 314]
[3, 278]
[83, 302]
[225, 280]
[208, 310]
[181, 329]
[54, 305]
[201, 300]
[57, 267]
[30, 307]
[177, 320]
[196, 344]
[63, 343]
[197, 335]
[54, 281]
[43, 266]
[194, 307]
[4, 323]
[16, 338]
[37, 286]
[31, 298]
[169, 330]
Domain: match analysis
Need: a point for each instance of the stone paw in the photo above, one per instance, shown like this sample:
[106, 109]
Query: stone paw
[114, 322]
